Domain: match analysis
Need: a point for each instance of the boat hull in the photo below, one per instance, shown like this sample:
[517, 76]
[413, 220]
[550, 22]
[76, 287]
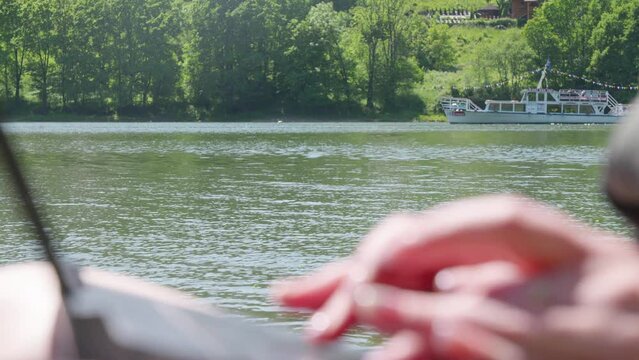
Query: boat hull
[486, 117]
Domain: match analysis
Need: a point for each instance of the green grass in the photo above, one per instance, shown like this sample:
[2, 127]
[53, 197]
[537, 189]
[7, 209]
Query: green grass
[469, 38]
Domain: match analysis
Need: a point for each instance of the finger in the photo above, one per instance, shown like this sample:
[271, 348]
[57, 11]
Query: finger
[528, 234]
[337, 314]
[478, 278]
[392, 309]
[405, 345]
[313, 290]
[458, 340]
[333, 318]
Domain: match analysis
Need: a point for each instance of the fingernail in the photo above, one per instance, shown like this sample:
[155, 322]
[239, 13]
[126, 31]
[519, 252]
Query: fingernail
[359, 274]
[445, 280]
[366, 298]
[319, 323]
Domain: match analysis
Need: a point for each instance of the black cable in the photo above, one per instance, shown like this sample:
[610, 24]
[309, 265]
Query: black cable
[23, 192]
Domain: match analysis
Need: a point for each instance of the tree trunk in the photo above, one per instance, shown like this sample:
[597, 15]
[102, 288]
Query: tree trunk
[118, 105]
[372, 62]
[145, 91]
[19, 62]
[344, 74]
[6, 82]
[131, 90]
[63, 86]
[390, 88]
[44, 91]
[156, 91]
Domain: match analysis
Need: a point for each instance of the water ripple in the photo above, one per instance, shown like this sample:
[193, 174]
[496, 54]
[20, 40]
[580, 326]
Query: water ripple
[221, 210]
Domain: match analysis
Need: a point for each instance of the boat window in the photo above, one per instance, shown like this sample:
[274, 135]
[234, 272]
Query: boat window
[551, 97]
[553, 109]
[586, 109]
[506, 107]
[493, 107]
[532, 97]
[570, 109]
[520, 107]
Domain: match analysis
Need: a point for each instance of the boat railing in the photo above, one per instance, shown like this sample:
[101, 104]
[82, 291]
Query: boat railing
[455, 104]
[612, 102]
[583, 95]
[615, 107]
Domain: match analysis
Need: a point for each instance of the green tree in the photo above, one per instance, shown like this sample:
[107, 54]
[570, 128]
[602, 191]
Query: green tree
[83, 55]
[369, 23]
[237, 54]
[158, 71]
[436, 50]
[385, 28]
[40, 35]
[124, 50]
[140, 51]
[14, 38]
[506, 60]
[62, 24]
[318, 72]
[5, 72]
[561, 31]
[615, 41]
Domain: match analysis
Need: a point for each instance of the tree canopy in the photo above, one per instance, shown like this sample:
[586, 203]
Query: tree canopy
[593, 38]
[236, 56]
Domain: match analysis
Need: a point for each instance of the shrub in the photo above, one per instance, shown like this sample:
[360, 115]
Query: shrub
[494, 23]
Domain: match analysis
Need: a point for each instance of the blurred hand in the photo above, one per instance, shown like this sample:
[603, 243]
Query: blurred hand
[584, 312]
[507, 266]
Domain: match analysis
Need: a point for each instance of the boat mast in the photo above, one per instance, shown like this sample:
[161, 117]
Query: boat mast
[543, 74]
[541, 80]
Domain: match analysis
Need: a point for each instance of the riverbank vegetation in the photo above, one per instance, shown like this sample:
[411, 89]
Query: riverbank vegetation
[205, 59]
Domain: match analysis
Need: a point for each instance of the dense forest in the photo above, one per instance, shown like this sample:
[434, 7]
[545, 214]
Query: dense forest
[203, 58]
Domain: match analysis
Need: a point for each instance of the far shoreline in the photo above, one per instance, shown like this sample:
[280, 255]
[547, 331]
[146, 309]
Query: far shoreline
[263, 117]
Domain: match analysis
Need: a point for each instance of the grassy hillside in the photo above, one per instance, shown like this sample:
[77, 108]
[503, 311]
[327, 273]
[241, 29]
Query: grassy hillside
[467, 39]
[463, 74]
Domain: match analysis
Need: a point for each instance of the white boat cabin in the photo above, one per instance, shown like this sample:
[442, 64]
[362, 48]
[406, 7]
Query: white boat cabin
[549, 101]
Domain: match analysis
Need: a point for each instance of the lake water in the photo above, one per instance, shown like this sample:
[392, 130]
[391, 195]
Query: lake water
[221, 210]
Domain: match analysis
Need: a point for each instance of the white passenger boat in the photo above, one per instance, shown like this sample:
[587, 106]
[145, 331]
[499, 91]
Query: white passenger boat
[539, 106]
